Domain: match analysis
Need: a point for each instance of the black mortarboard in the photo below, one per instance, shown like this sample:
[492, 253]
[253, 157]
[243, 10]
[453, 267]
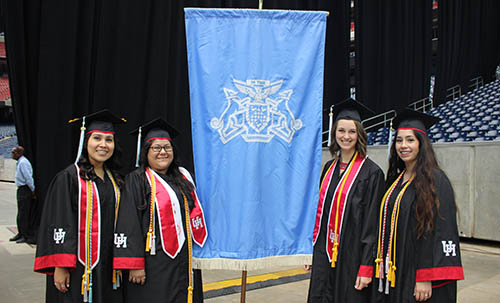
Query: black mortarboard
[414, 120]
[349, 109]
[154, 129]
[101, 121]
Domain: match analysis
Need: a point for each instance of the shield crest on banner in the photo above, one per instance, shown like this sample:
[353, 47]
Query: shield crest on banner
[257, 116]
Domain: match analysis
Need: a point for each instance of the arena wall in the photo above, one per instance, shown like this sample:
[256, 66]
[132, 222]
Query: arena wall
[474, 171]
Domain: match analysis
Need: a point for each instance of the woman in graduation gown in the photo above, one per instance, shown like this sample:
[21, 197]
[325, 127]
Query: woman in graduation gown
[418, 253]
[350, 192]
[160, 210]
[75, 241]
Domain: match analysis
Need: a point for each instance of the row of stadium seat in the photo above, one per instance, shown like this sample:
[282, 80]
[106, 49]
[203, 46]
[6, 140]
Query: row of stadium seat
[7, 130]
[474, 116]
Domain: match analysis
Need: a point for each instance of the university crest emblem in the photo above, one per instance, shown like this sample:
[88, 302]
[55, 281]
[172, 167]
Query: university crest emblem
[256, 115]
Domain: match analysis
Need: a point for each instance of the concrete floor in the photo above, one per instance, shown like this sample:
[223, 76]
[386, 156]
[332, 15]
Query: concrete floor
[19, 284]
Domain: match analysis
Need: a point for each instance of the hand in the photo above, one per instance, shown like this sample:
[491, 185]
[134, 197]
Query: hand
[137, 276]
[307, 267]
[61, 279]
[362, 282]
[423, 291]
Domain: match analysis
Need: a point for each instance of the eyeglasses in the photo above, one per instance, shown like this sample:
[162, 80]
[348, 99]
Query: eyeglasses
[158, 148]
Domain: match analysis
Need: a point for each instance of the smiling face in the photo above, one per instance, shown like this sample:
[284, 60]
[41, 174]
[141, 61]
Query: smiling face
[160, 155]
[346, 135]
[407, 146]
[100, 147]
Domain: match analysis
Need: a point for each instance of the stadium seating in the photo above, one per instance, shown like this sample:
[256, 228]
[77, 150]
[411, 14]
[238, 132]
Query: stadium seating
[473, 117]
[8, 139]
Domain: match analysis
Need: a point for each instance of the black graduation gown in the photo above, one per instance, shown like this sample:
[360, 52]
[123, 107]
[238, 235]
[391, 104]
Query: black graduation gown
[357, 239]
[425, 259]
[61, 211]
[166, 278]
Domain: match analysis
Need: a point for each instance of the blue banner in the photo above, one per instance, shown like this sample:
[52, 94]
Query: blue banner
[256, 88]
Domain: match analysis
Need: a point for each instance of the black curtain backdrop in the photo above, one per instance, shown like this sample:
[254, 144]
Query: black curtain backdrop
[468, 43]
[70, 58]
[393, 52]
[490, 39]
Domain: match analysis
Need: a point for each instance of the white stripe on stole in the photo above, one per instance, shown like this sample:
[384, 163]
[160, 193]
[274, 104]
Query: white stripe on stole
[177, 216]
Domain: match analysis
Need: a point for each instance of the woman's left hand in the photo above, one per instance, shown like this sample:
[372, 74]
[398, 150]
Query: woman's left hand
[137, 276]
[362, 282]
[423, 291]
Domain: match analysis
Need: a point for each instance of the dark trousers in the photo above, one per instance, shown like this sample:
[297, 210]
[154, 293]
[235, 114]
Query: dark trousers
[24, 197]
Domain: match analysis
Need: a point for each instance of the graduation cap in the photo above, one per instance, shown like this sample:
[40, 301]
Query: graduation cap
[100, 121]
[154, 129]
[414, 120]
[348, 109]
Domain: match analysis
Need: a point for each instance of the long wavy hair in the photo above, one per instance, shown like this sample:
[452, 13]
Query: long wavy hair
[360, 145]
[173, 174]
[424, 181]
[113, 163]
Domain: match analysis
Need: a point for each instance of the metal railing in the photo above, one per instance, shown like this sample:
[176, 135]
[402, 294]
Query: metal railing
[476, 83]
[454, 92]
[423, 105]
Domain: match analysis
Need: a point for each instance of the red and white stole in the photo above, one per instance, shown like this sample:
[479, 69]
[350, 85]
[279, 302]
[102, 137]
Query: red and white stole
[170, 218]
[89, 222]
[336, 212]
[89, 228]
[196, 216]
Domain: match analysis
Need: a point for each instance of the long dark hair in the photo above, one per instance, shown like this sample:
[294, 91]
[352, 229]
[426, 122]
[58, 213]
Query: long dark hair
[424, 181]
[113, 163]
[173, 174]
[360, 144]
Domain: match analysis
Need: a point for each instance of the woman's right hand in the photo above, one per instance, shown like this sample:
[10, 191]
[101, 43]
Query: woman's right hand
[61, 279]
[307, 267]
[137, 276]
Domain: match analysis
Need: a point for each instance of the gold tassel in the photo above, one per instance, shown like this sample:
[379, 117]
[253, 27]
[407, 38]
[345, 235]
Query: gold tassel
[377, 270]
[190, 294]
[335, 253]
[148, 241]
[83, 283]
[393, 278]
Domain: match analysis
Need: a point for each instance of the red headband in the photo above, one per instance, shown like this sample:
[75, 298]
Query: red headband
[159, 138]
[99, 131]
[419, 130]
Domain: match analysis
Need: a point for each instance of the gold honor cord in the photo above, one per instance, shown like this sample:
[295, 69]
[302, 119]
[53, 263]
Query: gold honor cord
[151, 237]
[336, 243]
[190, 251]
[378, 260]
[394, 231]
[391, 249]
[116, 273]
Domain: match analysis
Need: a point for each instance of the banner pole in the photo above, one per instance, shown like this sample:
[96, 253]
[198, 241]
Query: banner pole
[261, 3]
[243, 286]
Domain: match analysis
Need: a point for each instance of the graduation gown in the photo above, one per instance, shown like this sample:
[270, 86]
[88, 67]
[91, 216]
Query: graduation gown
[60, 213]
[357, 238]
[434, 257]
[166, 277]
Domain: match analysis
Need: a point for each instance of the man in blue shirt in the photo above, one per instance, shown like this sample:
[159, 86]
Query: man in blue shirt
[25, 194]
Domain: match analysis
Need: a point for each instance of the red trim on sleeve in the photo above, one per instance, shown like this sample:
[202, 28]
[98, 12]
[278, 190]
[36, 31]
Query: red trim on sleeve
[128, 263]
[440, 273]
[46, 264]
[365, 271]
